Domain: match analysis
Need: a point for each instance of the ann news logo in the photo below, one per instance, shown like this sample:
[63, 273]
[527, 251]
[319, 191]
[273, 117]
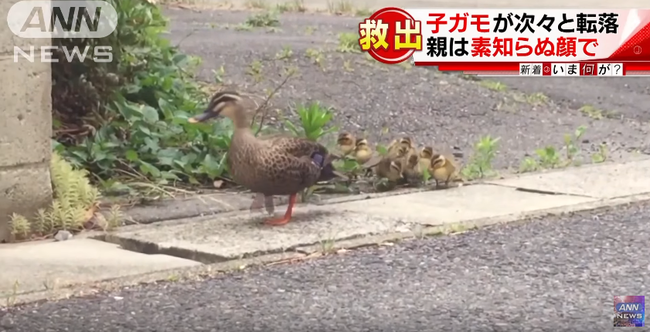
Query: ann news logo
[62, 19]
[629, 311]
[390, 35]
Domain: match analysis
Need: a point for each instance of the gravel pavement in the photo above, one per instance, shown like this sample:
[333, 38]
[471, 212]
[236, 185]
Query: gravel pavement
[436, 108]
[549, 274]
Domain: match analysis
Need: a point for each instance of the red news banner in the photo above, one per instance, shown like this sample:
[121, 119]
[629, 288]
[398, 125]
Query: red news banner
[529, 42]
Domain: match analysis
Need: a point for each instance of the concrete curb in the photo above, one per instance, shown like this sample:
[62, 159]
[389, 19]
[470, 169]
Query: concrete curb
[212, 270]
[218, 203]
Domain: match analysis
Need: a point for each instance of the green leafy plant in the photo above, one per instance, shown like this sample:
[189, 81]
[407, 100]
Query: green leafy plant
[131, 130]
[74, 204]
[19, 227]
[601, 155]
[571, 144]
[256, 4]
[348, 43]
[316, 56]
[285, 54]
[255, 70]
[292, 6]
[480, 164]
[267, 18]
[548, 157]
[529, 164]
[425, 175]
[340, 7]
[314, 121]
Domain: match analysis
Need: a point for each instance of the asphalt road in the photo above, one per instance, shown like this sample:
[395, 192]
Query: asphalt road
[433, 108]
[551, 274]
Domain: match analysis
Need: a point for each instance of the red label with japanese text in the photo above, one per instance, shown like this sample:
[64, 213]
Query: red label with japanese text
[390, 35]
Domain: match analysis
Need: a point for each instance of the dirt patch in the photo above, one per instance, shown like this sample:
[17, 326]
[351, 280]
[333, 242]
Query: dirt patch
[434, 108]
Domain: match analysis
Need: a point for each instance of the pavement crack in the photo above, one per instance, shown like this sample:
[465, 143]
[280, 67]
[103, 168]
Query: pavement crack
[546, 192]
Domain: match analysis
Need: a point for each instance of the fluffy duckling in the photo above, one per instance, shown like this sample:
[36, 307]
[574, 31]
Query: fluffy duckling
[407, 141]
[362, 152]
[425, 157]
[412, 171]
[443, 169]
[390, 169]
[278, 165]
[346, 143]
[404, 143]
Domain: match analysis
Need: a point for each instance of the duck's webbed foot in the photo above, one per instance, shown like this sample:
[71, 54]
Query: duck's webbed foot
[287, 215]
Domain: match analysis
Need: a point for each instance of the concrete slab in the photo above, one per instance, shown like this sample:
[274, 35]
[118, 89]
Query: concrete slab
[454, 205]
[39, 266]
[200, 205]
[235, 235]
[217, 203]
[600, 181]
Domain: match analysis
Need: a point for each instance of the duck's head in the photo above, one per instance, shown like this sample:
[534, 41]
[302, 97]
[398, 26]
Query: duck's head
[345, 139]
[396, 166]
[362, 144]
[225, 103]
[406, 141]
[426, 153]
[438, 161]
[402, 151]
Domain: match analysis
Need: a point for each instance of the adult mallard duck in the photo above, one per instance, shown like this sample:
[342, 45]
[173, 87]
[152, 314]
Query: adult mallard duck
[277, 165]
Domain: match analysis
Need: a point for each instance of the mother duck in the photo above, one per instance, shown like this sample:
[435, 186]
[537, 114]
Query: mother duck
[277, 165]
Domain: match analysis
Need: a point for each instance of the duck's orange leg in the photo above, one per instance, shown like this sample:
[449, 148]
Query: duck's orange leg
[287, 215]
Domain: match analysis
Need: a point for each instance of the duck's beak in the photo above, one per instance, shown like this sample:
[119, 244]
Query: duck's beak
[206, 115]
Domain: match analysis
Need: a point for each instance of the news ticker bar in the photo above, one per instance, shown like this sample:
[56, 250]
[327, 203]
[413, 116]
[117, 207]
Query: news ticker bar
[571, 69]
[605, 69]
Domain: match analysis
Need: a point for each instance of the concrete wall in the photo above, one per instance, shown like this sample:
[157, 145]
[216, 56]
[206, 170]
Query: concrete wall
[25, 128]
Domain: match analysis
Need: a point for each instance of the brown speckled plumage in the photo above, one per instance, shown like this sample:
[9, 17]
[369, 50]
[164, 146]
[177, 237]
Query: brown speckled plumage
[275, 165]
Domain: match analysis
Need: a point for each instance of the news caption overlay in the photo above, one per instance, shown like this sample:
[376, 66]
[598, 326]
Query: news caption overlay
[512, 42]
[62, 19]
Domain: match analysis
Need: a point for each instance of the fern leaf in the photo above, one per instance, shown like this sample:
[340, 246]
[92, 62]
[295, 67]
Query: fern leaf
[40, 221]
[19, 226]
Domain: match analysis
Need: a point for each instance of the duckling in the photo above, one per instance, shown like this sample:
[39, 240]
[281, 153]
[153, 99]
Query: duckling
[400, 152]
[277, 165]
[362, 152]
[396, 145]
[407, 141]
[346, 143]
[412, 172]
[425, 157]
[443, 169]
[390, 169]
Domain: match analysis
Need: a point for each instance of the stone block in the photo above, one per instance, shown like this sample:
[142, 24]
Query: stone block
[23, 190]
[25, 113]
